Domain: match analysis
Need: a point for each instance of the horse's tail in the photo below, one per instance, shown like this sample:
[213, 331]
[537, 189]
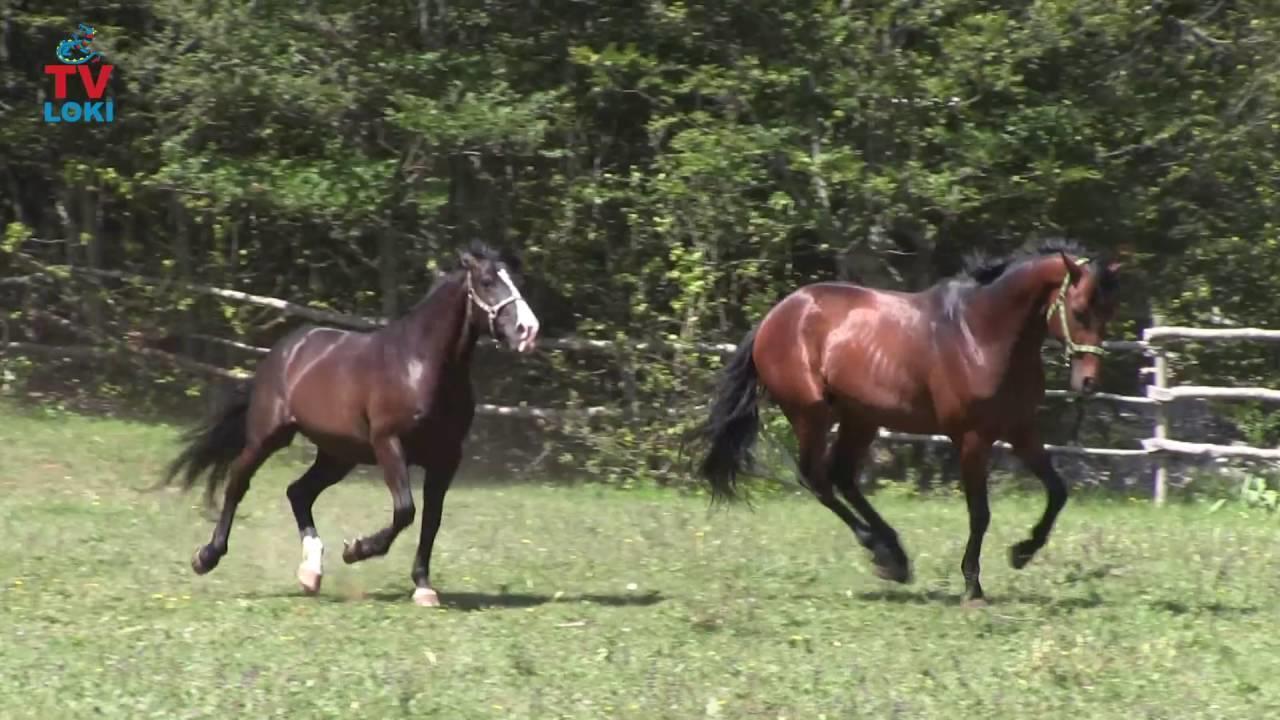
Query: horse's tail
[212, 446]
[733, 423]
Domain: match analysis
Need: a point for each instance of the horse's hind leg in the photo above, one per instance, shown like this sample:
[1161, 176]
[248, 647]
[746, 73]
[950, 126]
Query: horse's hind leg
[255, 452]
[811, 425]
[323, 473]
[850, 450]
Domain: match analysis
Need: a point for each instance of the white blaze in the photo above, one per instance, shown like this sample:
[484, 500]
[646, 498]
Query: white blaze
[526, 321]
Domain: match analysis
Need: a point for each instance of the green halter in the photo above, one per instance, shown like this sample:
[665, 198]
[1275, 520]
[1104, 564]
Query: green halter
[1070, 347]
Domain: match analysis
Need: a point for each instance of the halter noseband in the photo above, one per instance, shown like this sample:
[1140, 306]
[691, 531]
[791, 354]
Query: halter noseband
[491, 310]
[1070, 348]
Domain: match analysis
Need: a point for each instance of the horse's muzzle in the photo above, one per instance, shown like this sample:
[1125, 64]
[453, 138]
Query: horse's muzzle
[1085, 369]
[526, 327]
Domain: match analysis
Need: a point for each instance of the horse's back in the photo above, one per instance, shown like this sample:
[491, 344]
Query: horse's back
[317, 375]
[840, 340]
[307, 348]
[840, 311]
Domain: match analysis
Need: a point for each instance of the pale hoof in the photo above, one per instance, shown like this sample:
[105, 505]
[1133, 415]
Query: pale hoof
[426, 597]
[309, 580]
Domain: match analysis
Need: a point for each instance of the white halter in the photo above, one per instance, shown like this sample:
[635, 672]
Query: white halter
[524, 314]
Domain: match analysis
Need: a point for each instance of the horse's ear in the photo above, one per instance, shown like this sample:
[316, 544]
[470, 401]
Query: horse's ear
[1073, 268]
[466, 259]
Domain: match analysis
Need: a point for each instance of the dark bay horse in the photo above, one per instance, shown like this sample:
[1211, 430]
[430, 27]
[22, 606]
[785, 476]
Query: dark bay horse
[395, 397]
[961, 359]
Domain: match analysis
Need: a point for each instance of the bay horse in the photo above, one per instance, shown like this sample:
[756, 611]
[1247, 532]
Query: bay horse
[961, 358]
[395, 397]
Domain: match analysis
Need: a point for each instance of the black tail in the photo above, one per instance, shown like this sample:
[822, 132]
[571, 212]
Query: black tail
[733, 424]
[212, 446]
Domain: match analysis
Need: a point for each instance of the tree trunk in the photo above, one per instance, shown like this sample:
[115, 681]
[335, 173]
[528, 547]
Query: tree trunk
[91, 219]
[233, 269]
[70, 227]
[424, 22]
[182, 258]
[15, 193]
[387, 261]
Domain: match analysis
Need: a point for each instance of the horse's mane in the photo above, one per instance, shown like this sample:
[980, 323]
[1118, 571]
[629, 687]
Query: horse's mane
[477, 249]
[985, 269]
[483, 251]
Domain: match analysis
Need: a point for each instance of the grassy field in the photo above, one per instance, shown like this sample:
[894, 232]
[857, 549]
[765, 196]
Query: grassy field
[592, 603]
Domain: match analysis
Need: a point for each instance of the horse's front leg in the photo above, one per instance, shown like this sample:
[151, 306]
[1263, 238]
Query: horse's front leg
[390, 455]
[975, 451]
[439, 476]
[1031, 452]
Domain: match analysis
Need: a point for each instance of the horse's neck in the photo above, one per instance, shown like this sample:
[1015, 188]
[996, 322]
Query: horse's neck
[440, 326]
[1009, 313]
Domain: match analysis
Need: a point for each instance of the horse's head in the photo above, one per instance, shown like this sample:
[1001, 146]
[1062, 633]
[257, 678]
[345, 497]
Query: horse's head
[1079, 309]
[503, 311]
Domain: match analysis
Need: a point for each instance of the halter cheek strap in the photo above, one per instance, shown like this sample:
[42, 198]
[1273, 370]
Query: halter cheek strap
[1070, 348]
[491, 310]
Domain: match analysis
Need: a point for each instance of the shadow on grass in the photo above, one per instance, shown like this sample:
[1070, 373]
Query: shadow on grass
[1177, 607]
[481, 601]
[469, 601]
[939, 597]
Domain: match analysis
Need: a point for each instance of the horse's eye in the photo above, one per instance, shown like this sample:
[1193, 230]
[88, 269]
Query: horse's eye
[1081, 316]
[487, 282]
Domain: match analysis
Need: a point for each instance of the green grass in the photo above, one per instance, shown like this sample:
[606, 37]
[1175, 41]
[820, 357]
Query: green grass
[592, 603]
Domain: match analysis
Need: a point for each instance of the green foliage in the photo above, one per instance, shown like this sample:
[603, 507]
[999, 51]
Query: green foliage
[1260, 491]
[669, 170]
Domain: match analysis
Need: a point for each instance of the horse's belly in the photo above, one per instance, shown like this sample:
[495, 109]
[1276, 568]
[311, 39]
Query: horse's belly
[884, 392]
[440, 434]
[898, 417]
[341, 446]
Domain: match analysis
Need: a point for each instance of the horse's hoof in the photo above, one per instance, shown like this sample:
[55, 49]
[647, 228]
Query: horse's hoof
[202, 564]
[888, 566]
[1021, 553]
[895, 573]
[350, 552]
[309, 580]
[426, 597]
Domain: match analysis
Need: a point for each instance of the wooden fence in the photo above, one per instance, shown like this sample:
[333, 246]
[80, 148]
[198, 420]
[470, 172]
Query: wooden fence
[1154, 345]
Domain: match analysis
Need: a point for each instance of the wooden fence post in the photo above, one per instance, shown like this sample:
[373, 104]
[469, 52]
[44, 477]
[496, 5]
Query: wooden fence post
[1160, 378]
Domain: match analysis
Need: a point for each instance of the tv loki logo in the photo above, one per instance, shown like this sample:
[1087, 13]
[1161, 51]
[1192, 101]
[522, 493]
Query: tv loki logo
[75, 56]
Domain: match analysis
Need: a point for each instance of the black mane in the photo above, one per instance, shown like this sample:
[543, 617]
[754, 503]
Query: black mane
[985, 269]
[484, 251]
[477, 249]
